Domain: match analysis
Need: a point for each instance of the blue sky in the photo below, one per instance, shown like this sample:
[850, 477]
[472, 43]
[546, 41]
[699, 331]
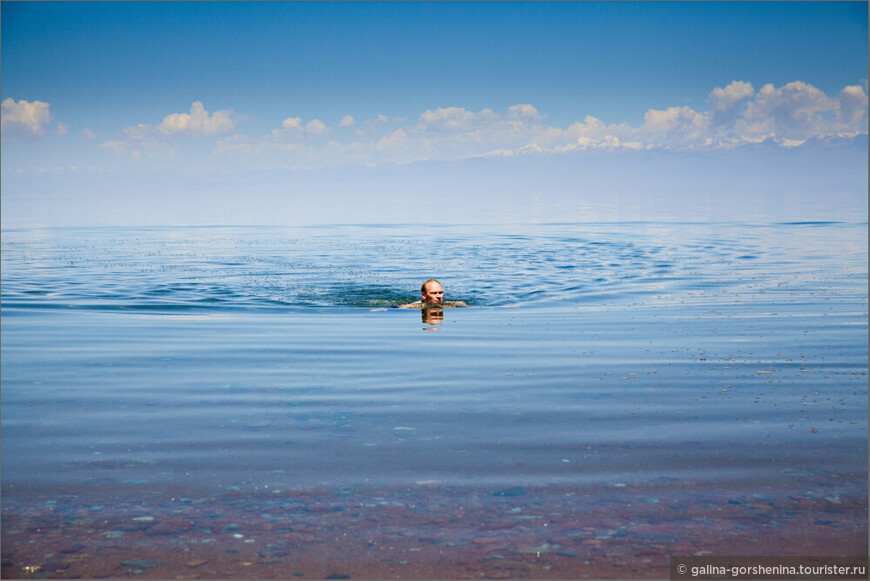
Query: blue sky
[162, 89]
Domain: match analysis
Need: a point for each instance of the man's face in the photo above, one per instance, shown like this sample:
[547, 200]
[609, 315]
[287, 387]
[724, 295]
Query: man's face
[432, 293]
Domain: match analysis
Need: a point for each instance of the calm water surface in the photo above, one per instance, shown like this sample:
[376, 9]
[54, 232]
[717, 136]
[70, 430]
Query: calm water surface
[729, 357]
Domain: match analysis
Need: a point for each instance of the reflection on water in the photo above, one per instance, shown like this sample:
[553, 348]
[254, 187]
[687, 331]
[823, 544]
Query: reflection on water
[432, 315]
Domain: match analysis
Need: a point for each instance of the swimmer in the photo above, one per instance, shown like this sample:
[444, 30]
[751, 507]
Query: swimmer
[432, 295]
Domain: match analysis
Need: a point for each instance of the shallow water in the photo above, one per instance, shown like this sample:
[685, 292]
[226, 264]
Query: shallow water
[647, 361]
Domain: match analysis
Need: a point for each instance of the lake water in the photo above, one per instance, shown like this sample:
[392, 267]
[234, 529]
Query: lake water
[245, 402]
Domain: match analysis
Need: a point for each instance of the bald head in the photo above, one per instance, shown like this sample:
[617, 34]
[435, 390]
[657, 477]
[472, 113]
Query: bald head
[432, 292]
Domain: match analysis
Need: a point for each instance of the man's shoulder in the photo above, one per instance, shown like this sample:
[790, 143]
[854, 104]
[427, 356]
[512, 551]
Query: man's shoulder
[444, 305]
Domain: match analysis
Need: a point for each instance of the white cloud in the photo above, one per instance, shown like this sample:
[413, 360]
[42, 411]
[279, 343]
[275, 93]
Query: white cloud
[728, 98]
[675, 127]
[788, 115]
[292, 123]
[398, 138]
[26, 117]
[140, 132]
[523, 112]
[197, 122]
[316, 128]
[116, 146]
[458, 132]
[293, 129]
[451, 119]
[737, 114]
[157, 141]
[852, 108]
[590, 126]
[790, 112]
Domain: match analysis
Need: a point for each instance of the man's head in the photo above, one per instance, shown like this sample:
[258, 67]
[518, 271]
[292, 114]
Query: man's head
[432, 292]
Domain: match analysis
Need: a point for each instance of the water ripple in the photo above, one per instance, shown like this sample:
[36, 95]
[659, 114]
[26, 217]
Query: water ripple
[263, 268]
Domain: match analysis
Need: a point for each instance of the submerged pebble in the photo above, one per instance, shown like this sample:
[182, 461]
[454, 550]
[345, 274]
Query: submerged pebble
[512, 491]
[142, 563]
[196, 562]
